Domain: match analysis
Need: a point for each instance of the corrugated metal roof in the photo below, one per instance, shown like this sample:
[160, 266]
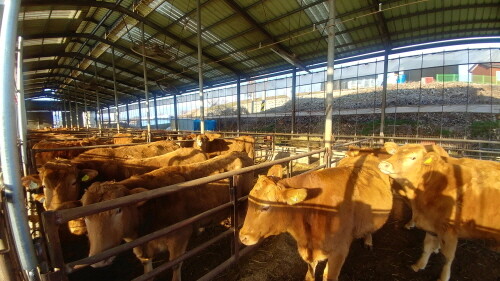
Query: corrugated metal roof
[64, 38]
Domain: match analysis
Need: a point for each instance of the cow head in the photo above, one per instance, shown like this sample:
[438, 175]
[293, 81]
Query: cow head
[107, 229]
[61, 182]
[263, 216]
[201, 142]
[406, 163]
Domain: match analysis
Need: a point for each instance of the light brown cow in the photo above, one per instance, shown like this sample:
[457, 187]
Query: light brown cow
[108, 229]
[451, 198]
[129, 152]
[323, 210]
[217, 146]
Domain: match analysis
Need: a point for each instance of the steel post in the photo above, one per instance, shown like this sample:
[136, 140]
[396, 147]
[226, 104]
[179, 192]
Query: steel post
[384, 94]
[117, 112]
[109, 117]
[21, 107]
[98, 106]
[176, 121]
[329, 83]
[200, 68]
[238, 105]
[156, 111]
[13, 189]
[146, 91]
[140, 113]
[128, 115]
[294, 95]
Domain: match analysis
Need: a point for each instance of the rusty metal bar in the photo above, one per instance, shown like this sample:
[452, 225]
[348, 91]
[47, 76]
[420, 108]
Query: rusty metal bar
[70, 267]
[49, 220]
[184, 256]
[70, 214]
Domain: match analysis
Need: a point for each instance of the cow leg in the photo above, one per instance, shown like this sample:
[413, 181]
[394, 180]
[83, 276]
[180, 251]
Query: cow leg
[311, 271]
[178, 247]
[335, 262]
[410, 224]
[368, 241]
[448, 249]
[431, 243]
[147, 264]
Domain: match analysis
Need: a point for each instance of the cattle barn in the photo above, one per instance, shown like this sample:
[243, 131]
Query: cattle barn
[258, 140]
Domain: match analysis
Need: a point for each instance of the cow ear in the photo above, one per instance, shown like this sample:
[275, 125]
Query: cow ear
[138, 190]
[31, 182]
[88, 174]
[275, 171]
[430, 158]
[391, 147]
[293, 196]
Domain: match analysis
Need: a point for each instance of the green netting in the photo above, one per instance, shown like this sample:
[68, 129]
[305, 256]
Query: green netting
[446, 77]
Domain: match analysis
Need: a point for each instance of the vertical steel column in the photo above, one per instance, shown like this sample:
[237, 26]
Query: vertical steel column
[70, 114]
[156, 111]
[200, 69]
[21, 107]
[109, 117]
[384, 95]
[117, 112]
[146, 93]
[14, 199]
[64, 116]
[238, 105]
[128, 116]
[77, 117]
[98, 106]
[329, 83]
[140, 113]
[294, 94]
[176, 121]
[87, 116]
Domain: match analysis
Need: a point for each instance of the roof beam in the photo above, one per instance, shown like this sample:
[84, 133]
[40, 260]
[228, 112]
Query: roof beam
[278, 48]
[382, 23]
[102, 88]
[123, 10]
[74, 68]
[105, 41]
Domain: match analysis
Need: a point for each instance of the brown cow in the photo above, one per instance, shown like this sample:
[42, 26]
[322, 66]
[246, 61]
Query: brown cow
[451, 198]
[62, 179]
[379, 152]
[323, 210]
[44, 157]
[217, 146]
[129, 152]
[108, 229]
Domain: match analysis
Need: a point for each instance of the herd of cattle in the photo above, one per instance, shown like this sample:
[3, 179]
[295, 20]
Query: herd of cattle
[323, 210]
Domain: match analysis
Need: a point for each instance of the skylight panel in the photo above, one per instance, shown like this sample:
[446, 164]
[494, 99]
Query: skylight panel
[49, 14]
[43, 41]
[39, 59]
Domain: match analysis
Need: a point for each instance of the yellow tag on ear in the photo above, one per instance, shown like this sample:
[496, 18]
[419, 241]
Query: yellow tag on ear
[85, 178]
[428, 160]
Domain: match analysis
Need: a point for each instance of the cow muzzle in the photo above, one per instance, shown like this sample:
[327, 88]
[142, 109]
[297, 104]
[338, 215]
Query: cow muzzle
[103, 263]
[386, 167]
[247, 239]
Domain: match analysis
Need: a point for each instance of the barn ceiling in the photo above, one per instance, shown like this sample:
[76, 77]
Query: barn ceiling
[66, 43]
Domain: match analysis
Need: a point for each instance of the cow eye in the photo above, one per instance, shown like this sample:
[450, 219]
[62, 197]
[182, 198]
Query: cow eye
[413, 158]
[119, 210]
[265, 208]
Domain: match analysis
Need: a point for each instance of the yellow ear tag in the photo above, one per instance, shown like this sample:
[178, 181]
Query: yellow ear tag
[428, 160]
[85, 178]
